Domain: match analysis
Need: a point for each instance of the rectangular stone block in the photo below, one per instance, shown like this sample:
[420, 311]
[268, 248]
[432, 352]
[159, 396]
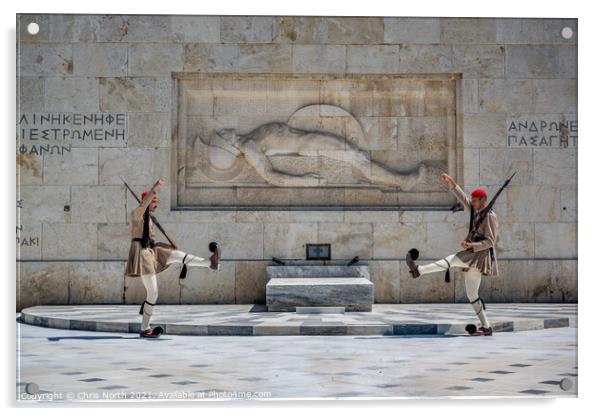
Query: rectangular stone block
[532, 203]
[443, 239]
[468, 30]
[470, 96]
[246, 29]
[289, 216]
[412, 30]
[238, 240]
[534, 61]
[77, 167]
[555, 166]
[556, 240]
[318, 58]
[425, 58]
[471, 166]
[328, 30]
[485, 130]
[127, 94]
[250, 281]
[393, 240]
[348, 240]
[30, 94]
[265, 58]
[287, 241]
[553, 281]
[45, 59]
[163, 94]
[427, 289]
[100, 59]
[205, 286]
[568, 203]
[355, 294]
[114, 242]
[304, 270]
[515, 240]
[29, 169]
[387, 281]
[29, 241]
[555, 96]
[498, 164]
[372, 59]
[211, 57]
[69, 241]
[42, 284]
[155, 59]
[533, 31]
[115, 164]
[43, 204]
[134, 28]
[195, 28]
[96, 282]
[71, 95]
[478, 61]
[149, 130]
[97, 204]
[505, 96]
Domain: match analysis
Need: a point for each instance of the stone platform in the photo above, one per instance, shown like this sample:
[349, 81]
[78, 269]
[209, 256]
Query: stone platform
[302, 285]
[385, 319]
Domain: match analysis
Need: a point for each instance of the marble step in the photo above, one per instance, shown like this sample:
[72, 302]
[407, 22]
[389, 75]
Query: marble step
[355, 294]
[313, 271]
[320, 309]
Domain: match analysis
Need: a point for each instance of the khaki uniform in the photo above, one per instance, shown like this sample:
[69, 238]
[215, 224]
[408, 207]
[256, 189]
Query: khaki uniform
[142, 261]
[480, 256]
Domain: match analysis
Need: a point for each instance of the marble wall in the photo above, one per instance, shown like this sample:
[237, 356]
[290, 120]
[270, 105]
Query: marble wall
[97, 103]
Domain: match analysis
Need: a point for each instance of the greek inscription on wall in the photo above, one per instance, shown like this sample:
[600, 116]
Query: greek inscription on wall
[57, 133]
[542, 132]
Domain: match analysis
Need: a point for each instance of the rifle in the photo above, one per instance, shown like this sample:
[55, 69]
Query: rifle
[151, 215]
[474, 225]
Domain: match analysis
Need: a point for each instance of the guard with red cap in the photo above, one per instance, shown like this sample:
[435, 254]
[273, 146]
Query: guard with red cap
[147, 257]
[478, 256]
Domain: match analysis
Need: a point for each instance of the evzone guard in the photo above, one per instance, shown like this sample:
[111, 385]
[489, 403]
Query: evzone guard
[478, 256]
[147, 258]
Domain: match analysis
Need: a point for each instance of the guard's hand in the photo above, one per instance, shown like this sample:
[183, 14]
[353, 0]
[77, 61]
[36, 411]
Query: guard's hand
[448, 180]
[467, 245]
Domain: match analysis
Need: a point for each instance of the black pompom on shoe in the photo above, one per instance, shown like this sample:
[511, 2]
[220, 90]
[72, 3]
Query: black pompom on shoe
[411, 258]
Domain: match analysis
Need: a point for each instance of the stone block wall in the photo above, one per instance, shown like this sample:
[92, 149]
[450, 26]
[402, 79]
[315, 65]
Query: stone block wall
[95, 103]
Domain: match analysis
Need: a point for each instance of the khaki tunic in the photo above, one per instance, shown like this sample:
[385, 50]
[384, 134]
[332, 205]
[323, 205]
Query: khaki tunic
[480, 255]
[145, 260]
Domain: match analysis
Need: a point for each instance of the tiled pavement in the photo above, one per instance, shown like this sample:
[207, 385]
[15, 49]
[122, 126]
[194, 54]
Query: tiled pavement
[385, 319]
[80, 365]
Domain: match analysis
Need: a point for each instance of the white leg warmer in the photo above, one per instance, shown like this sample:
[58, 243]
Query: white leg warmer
[442, 265]
[472, 279]
[177, 256]
[152, 293]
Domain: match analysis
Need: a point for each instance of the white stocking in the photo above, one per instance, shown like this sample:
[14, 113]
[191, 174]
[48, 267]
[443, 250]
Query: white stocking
[472, 279]
[176, 256]
[152, 293]
[442, 265]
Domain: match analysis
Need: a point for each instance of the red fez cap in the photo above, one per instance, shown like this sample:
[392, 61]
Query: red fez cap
[479, 193]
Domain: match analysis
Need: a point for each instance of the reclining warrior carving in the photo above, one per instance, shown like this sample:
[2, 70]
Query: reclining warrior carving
[278, 139]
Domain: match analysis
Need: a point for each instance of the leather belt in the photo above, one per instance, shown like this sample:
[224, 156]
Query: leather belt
[145, 243]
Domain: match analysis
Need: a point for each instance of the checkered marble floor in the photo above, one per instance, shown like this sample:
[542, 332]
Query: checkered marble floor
[385, 319]
[70, 365]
